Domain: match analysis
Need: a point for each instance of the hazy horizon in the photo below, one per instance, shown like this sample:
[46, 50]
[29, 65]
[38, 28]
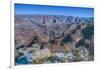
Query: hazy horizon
[30, 9]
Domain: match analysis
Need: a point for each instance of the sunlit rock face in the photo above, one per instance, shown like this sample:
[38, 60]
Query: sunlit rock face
[41, 39]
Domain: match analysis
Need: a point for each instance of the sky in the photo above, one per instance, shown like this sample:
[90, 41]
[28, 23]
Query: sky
[29, 9]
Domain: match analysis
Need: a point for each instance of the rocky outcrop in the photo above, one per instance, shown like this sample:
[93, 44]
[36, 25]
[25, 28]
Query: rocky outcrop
[82, 54]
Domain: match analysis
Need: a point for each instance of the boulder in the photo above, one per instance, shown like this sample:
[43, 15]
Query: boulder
[59, 57]
[70, 57]
[82, 54]
[36, 46]
[41, 55]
